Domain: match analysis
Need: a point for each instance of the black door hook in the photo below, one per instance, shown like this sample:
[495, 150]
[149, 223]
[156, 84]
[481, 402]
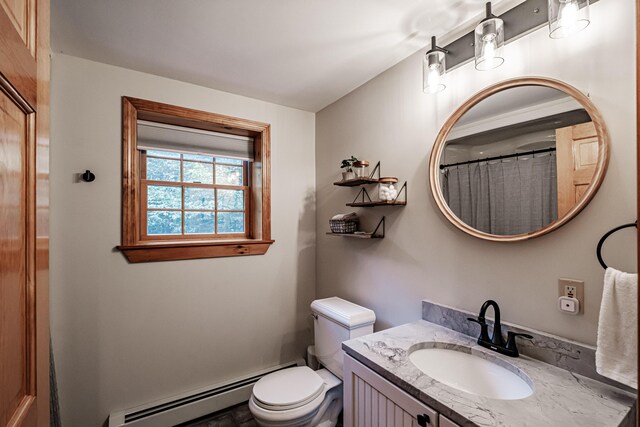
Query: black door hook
[88, 176]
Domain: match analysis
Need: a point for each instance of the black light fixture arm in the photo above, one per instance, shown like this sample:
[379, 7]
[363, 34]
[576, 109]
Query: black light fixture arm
[435, 47]
[489, 14]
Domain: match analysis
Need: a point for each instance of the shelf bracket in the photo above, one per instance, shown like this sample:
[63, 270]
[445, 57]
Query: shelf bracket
[364, 193]
[402, 189]
[381, 223]
[376, 169]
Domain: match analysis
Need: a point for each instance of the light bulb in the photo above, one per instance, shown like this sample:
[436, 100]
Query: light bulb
[489, 42]
[489, 50]
[433, 79]
[568, 16]
[433, 69]
[488, 58]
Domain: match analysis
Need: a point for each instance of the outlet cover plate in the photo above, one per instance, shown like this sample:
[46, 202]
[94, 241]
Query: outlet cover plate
[565, 284]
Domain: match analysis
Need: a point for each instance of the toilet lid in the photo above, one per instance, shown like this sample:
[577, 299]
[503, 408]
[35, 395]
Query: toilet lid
[287, 389]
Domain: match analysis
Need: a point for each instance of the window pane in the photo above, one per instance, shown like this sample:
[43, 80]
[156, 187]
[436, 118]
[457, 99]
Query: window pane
[163, 154]
[229, 161]
[199, 198]
[198, 172]
[228, 175]
[199, 222]
[199, 157]
[164, 197]
[164, 222]
[163, 170]
[230, 200]
[230, 222]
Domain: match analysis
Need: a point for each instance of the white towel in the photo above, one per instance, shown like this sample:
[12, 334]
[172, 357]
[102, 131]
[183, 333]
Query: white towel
[617, 349]
[351, 215]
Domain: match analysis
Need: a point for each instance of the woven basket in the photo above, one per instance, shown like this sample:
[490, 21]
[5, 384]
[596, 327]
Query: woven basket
[343, 226]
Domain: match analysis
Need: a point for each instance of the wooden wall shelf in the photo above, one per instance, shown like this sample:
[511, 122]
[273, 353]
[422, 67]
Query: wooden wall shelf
[372, 204]
[356, 182]
[363, 200]
[357, 235]
[364, 235]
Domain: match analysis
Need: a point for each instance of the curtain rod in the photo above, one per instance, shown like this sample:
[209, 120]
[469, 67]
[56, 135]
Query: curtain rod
[506, 156]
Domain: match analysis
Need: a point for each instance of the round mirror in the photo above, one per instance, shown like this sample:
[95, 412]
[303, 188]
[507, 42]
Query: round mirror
[519, 159]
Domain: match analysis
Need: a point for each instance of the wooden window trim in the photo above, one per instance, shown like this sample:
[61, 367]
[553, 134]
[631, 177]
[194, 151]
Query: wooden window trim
[139, 248]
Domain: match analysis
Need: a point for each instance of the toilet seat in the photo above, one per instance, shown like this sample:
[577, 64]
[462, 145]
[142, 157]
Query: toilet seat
[288, 389]
[325, 402]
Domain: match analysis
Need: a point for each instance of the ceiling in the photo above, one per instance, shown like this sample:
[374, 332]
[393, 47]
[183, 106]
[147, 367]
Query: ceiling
[514, 99]
[300, 53]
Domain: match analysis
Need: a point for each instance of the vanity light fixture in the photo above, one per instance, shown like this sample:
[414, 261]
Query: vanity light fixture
[567, 17]
[489, 41]
[434, 68]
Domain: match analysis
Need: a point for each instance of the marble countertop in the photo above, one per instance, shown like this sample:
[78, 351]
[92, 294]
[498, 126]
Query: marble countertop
[560, 397]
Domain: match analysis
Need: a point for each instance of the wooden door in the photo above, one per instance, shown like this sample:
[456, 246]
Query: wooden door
[577, 158]
[24, 145]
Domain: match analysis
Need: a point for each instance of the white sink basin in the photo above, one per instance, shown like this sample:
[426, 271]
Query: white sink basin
[471, 374]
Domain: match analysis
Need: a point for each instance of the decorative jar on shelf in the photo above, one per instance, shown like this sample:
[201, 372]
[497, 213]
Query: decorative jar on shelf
[361, 168]
[387, 189]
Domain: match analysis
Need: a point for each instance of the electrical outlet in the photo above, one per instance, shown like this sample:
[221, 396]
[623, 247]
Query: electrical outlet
[572, 288]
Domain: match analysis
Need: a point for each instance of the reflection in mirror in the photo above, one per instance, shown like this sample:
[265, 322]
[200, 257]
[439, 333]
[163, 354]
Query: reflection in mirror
[518, 161]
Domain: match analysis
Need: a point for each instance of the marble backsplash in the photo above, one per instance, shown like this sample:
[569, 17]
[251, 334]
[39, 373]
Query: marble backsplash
[566, 354]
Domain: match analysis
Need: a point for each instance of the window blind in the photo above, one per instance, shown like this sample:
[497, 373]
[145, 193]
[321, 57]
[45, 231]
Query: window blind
[163, 137]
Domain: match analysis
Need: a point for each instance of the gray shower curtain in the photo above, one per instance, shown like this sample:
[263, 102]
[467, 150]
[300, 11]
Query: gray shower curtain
[506, 197]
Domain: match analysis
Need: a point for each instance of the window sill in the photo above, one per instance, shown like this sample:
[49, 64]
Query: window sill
[173, 251]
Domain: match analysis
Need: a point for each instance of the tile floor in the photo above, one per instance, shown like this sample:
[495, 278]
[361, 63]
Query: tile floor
[236, 416]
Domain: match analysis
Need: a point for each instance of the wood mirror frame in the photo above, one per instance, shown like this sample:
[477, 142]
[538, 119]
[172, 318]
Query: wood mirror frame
[438, 148]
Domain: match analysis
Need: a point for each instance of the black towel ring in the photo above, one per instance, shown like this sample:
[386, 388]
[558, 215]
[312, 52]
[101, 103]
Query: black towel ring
[607, 234]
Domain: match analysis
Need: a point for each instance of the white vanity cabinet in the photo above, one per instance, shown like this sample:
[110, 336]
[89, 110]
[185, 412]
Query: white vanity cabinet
[372, 401]
[446, 422]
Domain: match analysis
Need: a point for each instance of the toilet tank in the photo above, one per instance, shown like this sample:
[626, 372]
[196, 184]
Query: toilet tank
[338, 320]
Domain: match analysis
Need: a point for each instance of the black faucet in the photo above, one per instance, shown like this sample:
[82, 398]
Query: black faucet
[496, 343]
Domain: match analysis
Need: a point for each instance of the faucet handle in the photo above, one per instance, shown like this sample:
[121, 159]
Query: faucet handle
[484, 333]
[511, 341]
[481, 322]
[512, 335]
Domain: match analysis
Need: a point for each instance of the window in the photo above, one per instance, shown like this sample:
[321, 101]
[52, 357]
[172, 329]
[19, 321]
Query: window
[195, 184]
[193, 196]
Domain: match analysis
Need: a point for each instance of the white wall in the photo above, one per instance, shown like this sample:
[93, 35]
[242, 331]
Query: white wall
[124, 334]
[423, 255]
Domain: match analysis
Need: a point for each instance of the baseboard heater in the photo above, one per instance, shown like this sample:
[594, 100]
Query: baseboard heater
[194, 404]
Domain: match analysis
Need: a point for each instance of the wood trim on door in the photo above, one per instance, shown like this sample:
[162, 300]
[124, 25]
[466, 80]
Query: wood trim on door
[41, 216]
[638, 174]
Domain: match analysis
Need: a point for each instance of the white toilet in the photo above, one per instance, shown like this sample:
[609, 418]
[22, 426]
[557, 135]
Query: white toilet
[300, 396]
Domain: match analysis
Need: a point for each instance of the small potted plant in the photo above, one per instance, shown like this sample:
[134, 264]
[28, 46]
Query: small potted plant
[347, 168]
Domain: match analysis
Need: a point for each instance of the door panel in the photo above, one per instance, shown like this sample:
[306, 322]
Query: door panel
[577, 158]
[24, 98]
[20, 13]
[17, 61]
[15, 329]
